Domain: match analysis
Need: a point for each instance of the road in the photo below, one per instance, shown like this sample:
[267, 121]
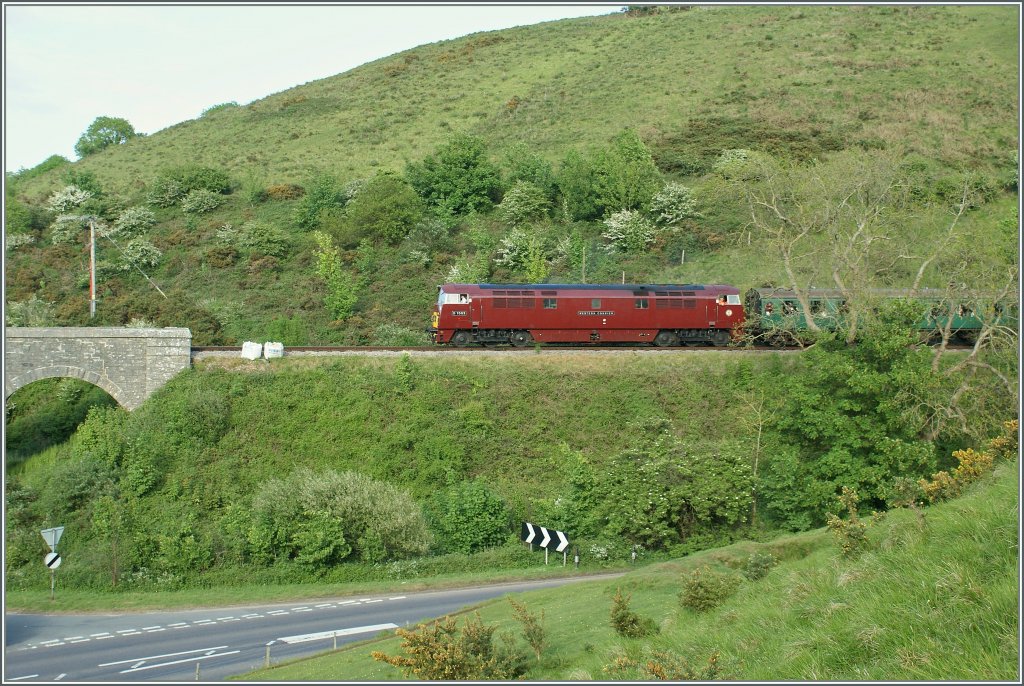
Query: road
[213, 644]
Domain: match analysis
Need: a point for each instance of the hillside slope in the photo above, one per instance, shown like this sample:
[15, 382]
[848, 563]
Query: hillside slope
[933, 86]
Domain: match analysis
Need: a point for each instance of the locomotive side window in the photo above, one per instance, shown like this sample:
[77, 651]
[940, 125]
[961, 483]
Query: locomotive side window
[733, 299]
[595, 303]
[550, 304]
[641, 303]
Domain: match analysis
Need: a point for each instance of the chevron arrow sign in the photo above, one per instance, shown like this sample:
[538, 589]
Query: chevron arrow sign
[545, 538]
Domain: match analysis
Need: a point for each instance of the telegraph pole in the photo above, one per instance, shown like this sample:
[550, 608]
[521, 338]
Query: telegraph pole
[92, 268]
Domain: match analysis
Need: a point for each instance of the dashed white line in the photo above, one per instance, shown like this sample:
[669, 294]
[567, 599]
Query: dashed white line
[326, 605]
[156, 630]
[81, 640]
[252, 615]
[227, 619]
[378, 600]
[178, 625]
[74, 638]
[398, 597]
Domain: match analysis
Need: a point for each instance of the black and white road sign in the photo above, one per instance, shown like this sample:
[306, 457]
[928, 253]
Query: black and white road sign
[52, 536]
[545, 538]
[52, 560]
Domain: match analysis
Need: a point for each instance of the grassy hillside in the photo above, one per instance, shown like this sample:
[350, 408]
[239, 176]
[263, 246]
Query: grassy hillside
[931, 599]
[935, 86]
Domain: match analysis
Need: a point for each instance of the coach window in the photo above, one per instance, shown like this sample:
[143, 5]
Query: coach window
[641, 303]
[550, 304]
[595, 303]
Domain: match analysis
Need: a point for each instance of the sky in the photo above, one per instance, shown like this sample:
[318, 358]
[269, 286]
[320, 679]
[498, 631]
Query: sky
[157, 65]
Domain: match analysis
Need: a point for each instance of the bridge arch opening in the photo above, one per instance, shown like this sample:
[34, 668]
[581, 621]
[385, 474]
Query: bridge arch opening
[47, 412]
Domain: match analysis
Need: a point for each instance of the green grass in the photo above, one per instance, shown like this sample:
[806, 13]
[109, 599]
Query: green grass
[939, 603]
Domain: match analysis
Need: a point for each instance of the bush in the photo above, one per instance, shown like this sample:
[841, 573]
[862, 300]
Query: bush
[285, 191]
[386, 207]
[469, 517]
[133, 222]
[758, 565]
[705, 589]
[523, 202]
[851, 533]
[322, 196]
[457, 178]
[436, 652]
[139, 253]
[201, 200]
[629, 232]
[674, 203]
[628, 623]
[262, 238]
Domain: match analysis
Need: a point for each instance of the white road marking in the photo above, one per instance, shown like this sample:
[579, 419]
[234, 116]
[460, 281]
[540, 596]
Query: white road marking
[19, 678]
[59, 677]
[326, 605]
[178, 662]
[378, 600]
[74, 638]
[302, 638]
[227, 619]
[105, 634]
[178, 625]
[81, 640]
[140, 660]
[252, 615]
[398, 597]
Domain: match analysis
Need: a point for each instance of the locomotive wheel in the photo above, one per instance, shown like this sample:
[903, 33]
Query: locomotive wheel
[460, 339]
[720, 338]
[665, 339]
[521, 338]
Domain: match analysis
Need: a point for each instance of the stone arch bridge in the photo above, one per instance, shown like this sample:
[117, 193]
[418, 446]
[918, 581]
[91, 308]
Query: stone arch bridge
[129, 364]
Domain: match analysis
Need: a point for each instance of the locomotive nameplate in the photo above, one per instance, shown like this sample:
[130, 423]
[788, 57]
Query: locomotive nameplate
[459, 313]
[595, 313]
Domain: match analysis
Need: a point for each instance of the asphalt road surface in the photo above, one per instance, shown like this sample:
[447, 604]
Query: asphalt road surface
[213, 644]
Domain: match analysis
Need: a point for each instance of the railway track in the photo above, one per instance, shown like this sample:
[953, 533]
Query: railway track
[327, 350]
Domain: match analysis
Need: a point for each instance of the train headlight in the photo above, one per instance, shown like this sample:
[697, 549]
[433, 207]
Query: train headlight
[728, 313]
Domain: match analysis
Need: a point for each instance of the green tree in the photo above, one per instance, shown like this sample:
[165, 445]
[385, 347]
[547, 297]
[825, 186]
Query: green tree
[341, 286]
[625, 176]
[102, 133]
[575, 182]
[469, 517]
[457, 178]
[385, 207]
[322, 195]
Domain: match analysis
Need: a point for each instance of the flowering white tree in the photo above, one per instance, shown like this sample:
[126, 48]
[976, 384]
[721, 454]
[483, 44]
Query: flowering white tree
[132, 222]
[629, 232]
[139, 253]
[674, 203]
[67, 198]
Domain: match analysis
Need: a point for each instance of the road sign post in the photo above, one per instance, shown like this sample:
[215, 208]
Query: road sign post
[52, 559]
[546, 539]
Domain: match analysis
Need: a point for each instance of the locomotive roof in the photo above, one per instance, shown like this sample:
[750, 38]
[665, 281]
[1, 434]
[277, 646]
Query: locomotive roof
[597, 286]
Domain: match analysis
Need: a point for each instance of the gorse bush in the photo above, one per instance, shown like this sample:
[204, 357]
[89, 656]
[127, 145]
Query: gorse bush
[850, 533]
[705, 589]
[533, 626]
[972, 465]
[628, 623]
[439, 652]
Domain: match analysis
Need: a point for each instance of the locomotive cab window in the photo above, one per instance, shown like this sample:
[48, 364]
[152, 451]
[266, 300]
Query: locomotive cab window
[550, 304]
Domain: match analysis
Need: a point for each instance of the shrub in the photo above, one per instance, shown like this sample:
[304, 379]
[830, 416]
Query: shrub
[469, 517]
[533, 626]
[523, 202]
[221, 256]
[263, 238]
[628, 232]
[665, 666]
[851, 533]
[625, 176]
[139, 252]
[758, 565]
[457, 178]
[705, 589]
[133, 222]
[628, 623]
[201, 200]
[165, 191]
[67, 198]
[386, 207]
[285, 191]
[391, 334]
[321, 196]
[341, 287]
[674, 203]
[436, 652]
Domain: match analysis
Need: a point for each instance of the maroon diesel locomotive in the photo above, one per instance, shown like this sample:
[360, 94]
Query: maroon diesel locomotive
[520, 314]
